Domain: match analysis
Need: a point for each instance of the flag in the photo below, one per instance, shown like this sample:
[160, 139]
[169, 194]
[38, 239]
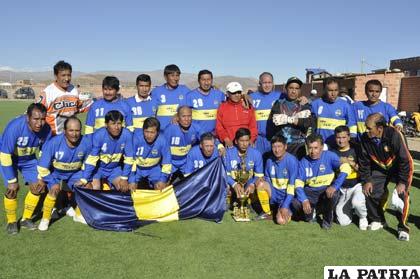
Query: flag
[200, 195]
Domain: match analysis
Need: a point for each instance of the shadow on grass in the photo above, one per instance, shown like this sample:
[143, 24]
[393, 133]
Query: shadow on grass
[412, 219]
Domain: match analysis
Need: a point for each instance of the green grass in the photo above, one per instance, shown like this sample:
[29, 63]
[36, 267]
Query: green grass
[196, 248]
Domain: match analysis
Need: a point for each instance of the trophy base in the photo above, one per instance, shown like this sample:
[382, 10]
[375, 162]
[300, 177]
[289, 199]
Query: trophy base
[241, 219]
[241, 214]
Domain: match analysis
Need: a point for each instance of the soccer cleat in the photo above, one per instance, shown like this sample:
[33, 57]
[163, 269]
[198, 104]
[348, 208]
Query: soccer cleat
[403, 236]
[326, 226]
[363, 224]
[27, 224]
[70, 212]
[374, 226]
[43, 225]
[12, 228]
[264, 216]
[79, 219]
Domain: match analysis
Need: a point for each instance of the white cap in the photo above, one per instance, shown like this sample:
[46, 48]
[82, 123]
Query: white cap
[314, 92]
[233, 87]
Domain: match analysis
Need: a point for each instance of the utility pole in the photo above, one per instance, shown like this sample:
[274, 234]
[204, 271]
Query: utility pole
[362, 62]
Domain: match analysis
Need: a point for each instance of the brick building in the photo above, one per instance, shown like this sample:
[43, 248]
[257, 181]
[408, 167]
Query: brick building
[410, 66]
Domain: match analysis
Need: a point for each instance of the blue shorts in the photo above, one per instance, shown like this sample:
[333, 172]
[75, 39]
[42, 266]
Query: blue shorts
[154, 175]
[277, 196]
[70, 178]
[27, 169]
[109, 175]
[262, 144]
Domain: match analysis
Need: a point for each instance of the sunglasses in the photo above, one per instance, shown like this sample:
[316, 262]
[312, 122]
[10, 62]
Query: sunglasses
[234, 93]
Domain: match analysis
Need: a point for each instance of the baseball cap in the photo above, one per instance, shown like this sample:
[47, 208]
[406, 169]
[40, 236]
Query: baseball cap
[233, 87]
[294, 80]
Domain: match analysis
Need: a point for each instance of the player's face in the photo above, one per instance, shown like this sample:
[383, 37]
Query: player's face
[114, 128]
[172, 79]
[279, 149]
[243, 143]
[185, 117]
[143, 89]
[293, 91]
[372, 130]
[315, 150]
[342, 139]
[235, 96]
[73, 131]
[332, 92]
[207, 147]
[266, 84]
[150, 134]
[63, 78]
[36, 121]
[205, 82]
[109, 93]
[373, 92]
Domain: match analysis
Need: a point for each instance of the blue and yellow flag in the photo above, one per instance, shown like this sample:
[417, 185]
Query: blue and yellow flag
[200, 195]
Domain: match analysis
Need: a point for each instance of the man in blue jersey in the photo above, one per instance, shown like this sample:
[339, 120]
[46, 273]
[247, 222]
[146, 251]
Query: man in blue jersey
[205, 101]
[169, 95]
[111, 101]
[142, 105]
[61, 160]
[21, 139]
[201, 155]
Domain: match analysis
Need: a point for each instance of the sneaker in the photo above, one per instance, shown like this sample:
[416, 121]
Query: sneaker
[12, 228]
[70, 212]
[363, 224]
[43, 225]
[326, 226]
[403, 236]
[374, 226]
[79, 219]
[27, 224]
[264, 216]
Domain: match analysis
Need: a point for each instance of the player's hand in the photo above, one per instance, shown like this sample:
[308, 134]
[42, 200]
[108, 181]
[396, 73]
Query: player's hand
[228, 143]
[239, 190]
[279, 119]
[367, 189]
[88, 185]
[222, 151]
[37, 187]
[303, 100]
[307, 209]
[123, 185]
[12, 189]
[246, 101]
[160, 185]
[400, 188]
[284, 216]
[132, 187]
[330, 191]
[250, 189]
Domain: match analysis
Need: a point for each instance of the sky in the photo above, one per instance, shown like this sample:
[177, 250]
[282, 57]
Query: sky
[241, 38]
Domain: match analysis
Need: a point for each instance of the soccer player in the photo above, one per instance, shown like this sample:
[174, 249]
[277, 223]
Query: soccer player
[363, 109]
[152, 157]
[243, 153]
[290, 118]
[61, 160]
[61, 98]
[352, 197]
[280, 174]
[110, 145]
[169, 95]
[205, 101]
[263, 101]
[316, 186]
[21, 139]
[332, 112]
[142, 105]
[385, 157]
[201, 155]
[233, 115]
[96, 115]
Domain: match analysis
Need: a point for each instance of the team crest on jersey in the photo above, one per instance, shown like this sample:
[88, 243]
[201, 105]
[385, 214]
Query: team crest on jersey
[80, 155]
[320, 109]
[322, 168]
[338, 112]
[285, 172]
[122, 145]
[154, 152]
[181, 97]
[216, 102]
[273, 170]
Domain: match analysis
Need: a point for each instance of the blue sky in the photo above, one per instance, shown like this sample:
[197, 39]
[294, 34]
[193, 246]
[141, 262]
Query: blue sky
[241, 38]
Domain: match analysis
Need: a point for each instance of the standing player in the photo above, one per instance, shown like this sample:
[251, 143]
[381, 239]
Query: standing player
[96, 116]
[21, 139]
[201, 155]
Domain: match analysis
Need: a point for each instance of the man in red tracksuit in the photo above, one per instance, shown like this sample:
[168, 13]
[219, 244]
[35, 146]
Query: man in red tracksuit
[233, 115]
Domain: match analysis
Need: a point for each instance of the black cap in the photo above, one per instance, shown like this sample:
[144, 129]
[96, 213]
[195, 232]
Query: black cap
[294, 80]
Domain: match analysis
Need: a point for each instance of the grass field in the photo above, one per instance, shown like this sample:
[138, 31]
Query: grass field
[199, 249]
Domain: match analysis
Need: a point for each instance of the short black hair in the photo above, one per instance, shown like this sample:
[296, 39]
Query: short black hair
[313, 138]
[114, 116]
[242, 132]
[111, 82]
[35, 106]
[329, 81]
[73, 117]
[178, 110]
[151, 122]
[372, 82]
[207, 136]
[62, 66]
[278, 138]
[143, 78]
[204, 72]
[170, 69]
[340, 129]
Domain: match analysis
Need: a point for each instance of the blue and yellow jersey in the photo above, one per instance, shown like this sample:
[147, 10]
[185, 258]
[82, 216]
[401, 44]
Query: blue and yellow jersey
[331, 115]
[58, 157]
[204, 107]
[263, 103]
[109, 152]
[196, 160]
[253, 162]
[168, 101]
[351, 154]
[152, 159]
[281, 175]
[363, 109]
[96, 116]
[20, 145]
[320, 173]
[141, 109]
[180, 142]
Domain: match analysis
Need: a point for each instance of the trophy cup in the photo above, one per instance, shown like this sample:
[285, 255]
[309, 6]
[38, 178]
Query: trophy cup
[241, 213]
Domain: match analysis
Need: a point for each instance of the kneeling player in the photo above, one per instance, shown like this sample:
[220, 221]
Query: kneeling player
[201, 155]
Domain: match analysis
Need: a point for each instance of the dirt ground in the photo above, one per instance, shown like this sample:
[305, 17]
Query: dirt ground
[414, 144]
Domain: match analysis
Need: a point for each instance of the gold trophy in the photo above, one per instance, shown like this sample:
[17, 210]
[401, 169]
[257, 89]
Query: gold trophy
[241, 176]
